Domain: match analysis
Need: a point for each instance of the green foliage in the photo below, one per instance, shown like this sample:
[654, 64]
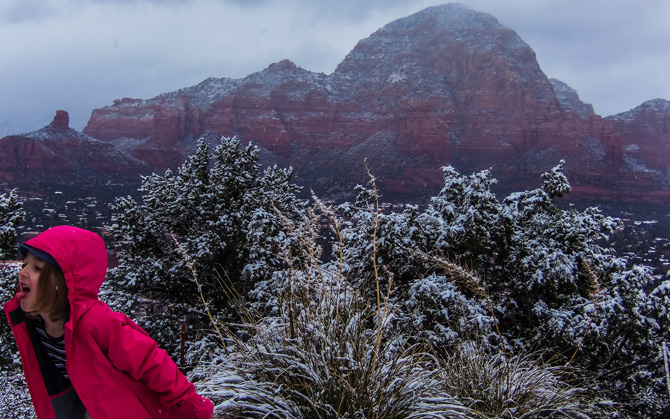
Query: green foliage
[8, 285]
[14, 400]
[547, 276]
[331, 351]
[14, 396]
[11, 215]
[401, 296]
[219, 216]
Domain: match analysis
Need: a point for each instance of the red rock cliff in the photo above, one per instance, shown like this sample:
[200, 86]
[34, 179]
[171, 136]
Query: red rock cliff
[444, 86]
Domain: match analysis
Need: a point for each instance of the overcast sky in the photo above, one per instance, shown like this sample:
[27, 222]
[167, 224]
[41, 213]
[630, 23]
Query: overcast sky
[79, 55]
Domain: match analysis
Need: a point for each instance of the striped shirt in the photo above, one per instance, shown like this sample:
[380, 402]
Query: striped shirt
[54, 347]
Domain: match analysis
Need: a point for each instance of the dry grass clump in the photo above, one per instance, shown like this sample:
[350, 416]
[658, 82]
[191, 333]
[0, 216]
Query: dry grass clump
[492, 386]
[321, 358]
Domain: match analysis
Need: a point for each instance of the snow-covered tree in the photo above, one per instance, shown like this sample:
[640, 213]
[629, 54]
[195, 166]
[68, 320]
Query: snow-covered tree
[513, 276]
[14, 398]
[544, 272]
[219, 220]
[11, 215]
[468, 218]
[330, 349]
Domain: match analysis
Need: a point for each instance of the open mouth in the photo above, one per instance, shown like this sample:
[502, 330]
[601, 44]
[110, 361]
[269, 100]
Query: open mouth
[22, 292]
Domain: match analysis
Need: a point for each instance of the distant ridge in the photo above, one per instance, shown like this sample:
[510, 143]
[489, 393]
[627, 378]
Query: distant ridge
[446, 85]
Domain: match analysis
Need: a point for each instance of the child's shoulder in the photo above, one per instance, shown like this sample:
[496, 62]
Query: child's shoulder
[101, 321]
[100, 315]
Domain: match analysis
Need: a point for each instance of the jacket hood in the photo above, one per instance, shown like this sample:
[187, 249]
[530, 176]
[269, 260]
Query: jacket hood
[82, 256]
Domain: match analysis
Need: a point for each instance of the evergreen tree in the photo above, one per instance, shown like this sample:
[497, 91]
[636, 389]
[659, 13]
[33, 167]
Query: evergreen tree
[14, 397]
[459, 227]
[11, 215]
[540, 273]
[219, 220]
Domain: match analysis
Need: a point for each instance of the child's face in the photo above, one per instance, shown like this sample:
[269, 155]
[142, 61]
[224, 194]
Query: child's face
[28, 279]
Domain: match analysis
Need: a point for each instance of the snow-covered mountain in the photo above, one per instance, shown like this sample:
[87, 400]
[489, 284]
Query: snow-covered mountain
[446, 85]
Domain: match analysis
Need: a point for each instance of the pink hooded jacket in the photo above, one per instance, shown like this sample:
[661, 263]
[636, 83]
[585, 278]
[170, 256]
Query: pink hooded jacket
[117, 370]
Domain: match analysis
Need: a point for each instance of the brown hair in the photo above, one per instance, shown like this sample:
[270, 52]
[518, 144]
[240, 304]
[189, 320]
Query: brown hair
[52, 292]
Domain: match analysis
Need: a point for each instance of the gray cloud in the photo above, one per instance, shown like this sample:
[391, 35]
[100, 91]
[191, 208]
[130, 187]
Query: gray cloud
[611, 52]
[20, 11]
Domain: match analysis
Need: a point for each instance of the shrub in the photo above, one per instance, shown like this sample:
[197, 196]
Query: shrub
[14, 398]
[332, 351]
[547, 276]
[220, 213]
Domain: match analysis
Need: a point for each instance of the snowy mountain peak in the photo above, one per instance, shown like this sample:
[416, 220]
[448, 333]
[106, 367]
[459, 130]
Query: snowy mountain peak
[451, 16]
[570, 100]
[446, 85]
[660, 106]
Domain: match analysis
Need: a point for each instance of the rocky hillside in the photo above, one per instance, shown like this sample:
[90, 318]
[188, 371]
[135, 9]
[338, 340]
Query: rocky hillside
[447, 85]
[59, 157]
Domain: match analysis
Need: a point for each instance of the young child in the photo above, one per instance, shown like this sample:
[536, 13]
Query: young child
[80, 358]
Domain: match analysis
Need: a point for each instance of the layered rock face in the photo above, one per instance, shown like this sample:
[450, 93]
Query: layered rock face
[57, 156]
[645, 134]
[447, 85]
